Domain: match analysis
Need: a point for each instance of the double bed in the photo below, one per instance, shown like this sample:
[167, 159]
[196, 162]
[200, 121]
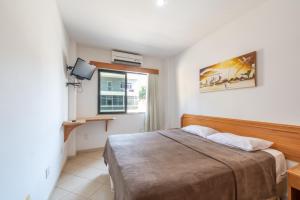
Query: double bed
[175, 165]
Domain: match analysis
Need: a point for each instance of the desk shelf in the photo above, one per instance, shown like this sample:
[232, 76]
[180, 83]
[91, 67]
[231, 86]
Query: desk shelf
[70, 125]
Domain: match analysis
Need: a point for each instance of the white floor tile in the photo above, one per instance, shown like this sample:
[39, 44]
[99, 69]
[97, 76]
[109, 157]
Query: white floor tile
[57, 194]
[104, 193]
[93, 155]
[71, 196]
[87, 189]
[71, 168]
[103, 178]
[89, 173]
[70, 182]
[88, 162]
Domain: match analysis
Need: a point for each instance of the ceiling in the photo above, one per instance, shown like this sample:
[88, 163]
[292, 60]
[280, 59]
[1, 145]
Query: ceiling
[141, 26]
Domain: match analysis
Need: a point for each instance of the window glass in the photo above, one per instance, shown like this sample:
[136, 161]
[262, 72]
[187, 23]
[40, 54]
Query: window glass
[137, 85]
[109, 85]
[111, 95]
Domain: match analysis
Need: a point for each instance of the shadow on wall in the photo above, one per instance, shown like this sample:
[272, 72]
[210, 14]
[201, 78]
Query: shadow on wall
[260, 68]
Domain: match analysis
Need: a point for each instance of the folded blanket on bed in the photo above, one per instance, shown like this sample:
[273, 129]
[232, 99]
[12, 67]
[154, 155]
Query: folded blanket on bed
[175, 165]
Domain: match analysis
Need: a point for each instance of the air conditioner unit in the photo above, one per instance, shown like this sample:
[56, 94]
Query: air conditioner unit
[126, 58]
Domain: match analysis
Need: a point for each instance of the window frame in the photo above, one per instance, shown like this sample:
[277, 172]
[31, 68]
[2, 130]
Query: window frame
[126, 97]
[99, 92]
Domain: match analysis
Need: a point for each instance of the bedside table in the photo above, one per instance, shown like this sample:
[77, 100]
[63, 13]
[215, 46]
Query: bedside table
[294, 183]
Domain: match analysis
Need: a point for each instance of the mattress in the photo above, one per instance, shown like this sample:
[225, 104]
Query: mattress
[280, 163]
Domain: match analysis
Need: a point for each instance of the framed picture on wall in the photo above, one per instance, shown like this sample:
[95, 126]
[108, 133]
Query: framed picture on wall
[238, 72]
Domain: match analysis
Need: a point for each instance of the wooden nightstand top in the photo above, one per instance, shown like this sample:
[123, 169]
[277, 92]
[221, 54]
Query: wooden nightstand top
[295, 170]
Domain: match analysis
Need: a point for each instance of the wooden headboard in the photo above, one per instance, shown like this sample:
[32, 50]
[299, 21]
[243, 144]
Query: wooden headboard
[286, 138]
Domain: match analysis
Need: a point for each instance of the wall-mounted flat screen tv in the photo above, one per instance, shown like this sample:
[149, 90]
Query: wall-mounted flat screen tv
[83, 70]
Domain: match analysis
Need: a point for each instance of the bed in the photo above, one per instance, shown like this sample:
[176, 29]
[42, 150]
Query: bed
[175, 165]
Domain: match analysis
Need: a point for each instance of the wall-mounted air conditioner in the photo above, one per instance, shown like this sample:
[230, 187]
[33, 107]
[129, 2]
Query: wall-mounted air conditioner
[126, 58]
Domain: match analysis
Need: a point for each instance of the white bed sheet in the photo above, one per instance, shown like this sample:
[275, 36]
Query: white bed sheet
[280, 162]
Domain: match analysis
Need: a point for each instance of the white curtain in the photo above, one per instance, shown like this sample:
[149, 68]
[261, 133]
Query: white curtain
[151, 118]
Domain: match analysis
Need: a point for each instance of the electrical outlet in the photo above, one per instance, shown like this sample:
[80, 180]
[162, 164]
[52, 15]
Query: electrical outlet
[47, 172]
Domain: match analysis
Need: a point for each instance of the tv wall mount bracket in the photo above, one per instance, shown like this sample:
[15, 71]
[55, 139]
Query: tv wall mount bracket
[74, 84]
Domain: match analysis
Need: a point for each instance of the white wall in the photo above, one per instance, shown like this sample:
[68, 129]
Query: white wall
[92, 135]
[34, 102]
[273, 31]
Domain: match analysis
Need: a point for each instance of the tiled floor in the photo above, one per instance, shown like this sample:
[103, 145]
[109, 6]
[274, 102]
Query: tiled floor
[84, 177]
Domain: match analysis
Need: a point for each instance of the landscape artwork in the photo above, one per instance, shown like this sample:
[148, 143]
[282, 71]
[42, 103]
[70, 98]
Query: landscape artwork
[238, 72]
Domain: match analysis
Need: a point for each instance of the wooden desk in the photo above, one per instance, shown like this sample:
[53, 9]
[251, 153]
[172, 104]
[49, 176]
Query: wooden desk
[69, 125]
[294, 183]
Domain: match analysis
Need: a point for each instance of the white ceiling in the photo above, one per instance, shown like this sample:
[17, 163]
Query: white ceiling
[142, 27]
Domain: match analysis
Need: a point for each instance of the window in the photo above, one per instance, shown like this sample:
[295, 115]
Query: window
[109, 85]
[129, 86]
[121, 92]
[122, 85]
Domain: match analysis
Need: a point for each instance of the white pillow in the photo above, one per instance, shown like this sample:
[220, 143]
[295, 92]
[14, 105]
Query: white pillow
[241, 142]
[202, 131]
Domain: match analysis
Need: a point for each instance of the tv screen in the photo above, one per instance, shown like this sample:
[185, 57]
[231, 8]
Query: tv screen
[83, 70]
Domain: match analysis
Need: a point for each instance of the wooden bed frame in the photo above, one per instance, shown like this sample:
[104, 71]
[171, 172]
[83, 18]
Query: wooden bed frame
[286, 138]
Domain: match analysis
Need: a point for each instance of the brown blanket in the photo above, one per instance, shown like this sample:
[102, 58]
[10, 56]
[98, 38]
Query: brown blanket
[175, 165]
